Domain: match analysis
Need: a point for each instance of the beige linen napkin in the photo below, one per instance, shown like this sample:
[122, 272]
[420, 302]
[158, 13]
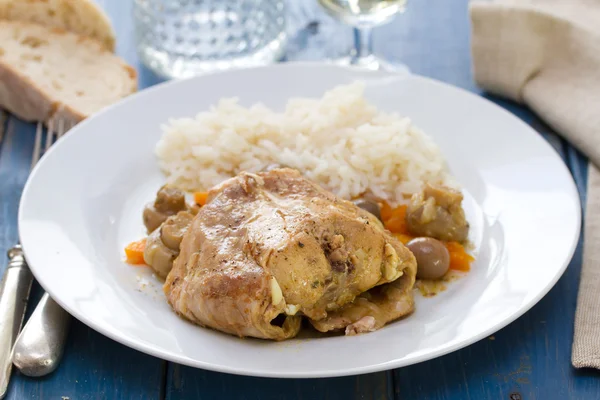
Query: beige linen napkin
[546, 54]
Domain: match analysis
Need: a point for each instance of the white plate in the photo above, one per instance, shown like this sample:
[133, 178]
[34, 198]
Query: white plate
[83, 203]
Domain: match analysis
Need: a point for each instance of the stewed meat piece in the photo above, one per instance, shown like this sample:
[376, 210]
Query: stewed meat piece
[270, 247]
[437, 212]
[373, 309]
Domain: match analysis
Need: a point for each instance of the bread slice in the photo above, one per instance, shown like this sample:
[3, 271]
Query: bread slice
[79, 16]
[50, 74]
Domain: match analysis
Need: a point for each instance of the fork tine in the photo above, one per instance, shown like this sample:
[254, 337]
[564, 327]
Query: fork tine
[62, 127]
[54, 130]
[49, 135]
[37, 146]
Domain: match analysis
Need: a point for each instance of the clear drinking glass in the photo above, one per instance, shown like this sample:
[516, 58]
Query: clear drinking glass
[182, 38]
[363, 16]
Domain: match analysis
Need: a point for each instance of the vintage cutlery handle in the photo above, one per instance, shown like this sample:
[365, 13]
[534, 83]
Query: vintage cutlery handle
[14, 292]
[41, 344]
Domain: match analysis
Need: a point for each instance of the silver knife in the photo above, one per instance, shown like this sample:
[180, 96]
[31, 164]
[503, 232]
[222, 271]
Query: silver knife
[14, 292]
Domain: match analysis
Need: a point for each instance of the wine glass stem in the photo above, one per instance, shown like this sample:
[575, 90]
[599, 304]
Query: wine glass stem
[363, 43]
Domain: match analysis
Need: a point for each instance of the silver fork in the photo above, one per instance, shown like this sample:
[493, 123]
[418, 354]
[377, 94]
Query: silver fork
[16, 282]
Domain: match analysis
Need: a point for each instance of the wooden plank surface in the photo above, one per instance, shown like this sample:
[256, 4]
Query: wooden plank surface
[189, 383]
[529, 359]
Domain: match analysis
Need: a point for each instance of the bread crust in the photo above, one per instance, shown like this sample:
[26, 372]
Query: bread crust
[83, 17]
[27, 95]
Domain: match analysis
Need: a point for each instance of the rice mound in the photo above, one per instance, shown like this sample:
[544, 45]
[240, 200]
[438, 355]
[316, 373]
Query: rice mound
[340, 141]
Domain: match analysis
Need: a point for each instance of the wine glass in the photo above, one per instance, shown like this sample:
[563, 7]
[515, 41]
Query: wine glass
[363, 16]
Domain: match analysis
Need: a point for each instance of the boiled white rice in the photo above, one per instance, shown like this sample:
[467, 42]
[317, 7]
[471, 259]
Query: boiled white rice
[339, 141]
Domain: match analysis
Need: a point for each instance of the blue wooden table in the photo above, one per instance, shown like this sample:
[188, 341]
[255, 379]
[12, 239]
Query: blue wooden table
[529, 359]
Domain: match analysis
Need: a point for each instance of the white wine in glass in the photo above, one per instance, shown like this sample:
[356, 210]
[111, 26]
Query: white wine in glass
[363, 15]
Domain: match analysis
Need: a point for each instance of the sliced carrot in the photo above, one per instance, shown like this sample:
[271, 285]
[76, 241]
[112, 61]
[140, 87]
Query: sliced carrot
[134, 252]
[386, 211]
[399, 212]
[460, 260]
[200, 198]
[396, 223]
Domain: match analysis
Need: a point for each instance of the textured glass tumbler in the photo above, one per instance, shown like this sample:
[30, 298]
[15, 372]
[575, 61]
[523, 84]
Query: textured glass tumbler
[183, 38]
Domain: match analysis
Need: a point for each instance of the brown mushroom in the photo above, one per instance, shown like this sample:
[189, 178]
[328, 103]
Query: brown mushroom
[169, 201]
